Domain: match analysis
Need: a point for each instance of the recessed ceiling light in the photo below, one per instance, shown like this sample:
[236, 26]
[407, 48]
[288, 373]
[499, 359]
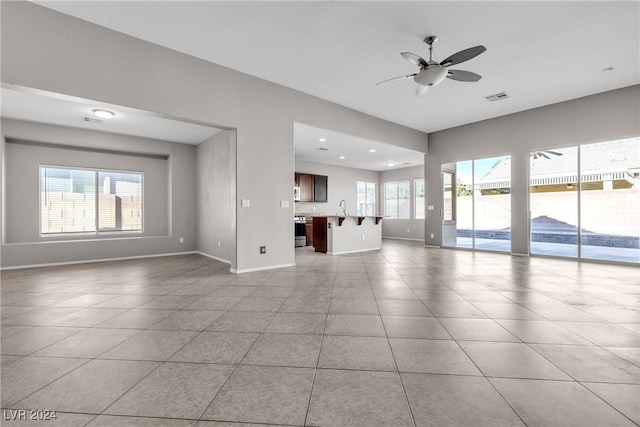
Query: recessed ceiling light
[342, 157]
[103, 114]
[390, 164]
[322, 139]
[373, 150]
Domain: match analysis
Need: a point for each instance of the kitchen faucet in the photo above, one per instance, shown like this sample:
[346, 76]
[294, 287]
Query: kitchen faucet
[345, 207]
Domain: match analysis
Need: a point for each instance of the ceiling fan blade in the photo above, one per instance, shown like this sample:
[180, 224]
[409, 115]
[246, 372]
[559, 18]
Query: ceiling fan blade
[463, 76]
[414, 59]
[555, 153]
[421, 90]
[463, 55]
[396, 78]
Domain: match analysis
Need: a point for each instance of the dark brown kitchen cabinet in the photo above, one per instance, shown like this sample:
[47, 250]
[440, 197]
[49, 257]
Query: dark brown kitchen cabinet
[305, 182]
[320, 234]
[309, 230]
[312, 188]
[320, 189]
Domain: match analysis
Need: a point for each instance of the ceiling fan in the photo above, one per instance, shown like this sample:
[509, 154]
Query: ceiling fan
[431, 72]
[543, 154]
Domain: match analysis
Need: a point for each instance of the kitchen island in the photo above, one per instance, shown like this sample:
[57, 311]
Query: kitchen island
[336, 235]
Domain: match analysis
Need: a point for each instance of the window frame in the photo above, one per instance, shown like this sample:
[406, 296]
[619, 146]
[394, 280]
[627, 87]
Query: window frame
[366, 197]
[452, 202]
[397, 199]
[415, 198]
[97, 232]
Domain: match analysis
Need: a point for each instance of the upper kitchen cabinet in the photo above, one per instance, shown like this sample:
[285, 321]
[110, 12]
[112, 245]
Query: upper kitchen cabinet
[310, 188]
[320, 188]
[305, 183]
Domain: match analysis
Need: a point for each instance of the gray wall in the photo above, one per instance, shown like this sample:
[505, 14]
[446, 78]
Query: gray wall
[95, 63]
[412, 228]
[602, 117]
[216, 208]
[169, 193]
[341, 186]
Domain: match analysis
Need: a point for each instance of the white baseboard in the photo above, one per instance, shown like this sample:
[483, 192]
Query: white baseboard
[403, 238]
[251, 270]
[214, 257]
[353, 252]
[432, 246]
[517, 254]
[88, 261]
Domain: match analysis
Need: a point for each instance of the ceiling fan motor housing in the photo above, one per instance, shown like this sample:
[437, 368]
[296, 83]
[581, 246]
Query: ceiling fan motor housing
[431, 76]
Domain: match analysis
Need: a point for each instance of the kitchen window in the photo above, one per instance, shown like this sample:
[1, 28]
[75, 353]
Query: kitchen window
[74, 200]
[397, 200]
[366, 198]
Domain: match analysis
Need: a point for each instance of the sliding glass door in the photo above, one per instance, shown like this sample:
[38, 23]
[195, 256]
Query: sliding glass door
[585, 201]
[553, 201]
[492, 203]
[477, 201]
[610, 200]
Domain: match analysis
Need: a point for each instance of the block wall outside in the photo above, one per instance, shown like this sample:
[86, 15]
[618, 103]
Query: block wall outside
[75, 212]
[613, 212]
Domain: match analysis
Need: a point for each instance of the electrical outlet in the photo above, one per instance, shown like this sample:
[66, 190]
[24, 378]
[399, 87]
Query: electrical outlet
[182, 240]
[263, 249]
[408, 230]
[363, 237]
[433, 235]
[218, 243]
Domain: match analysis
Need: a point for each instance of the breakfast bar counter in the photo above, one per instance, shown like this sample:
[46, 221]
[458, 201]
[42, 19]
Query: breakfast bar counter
[336, 235]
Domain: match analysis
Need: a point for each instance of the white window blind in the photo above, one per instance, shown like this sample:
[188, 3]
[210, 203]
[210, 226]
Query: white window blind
[366, 198]
[397, 202]
[89, 201]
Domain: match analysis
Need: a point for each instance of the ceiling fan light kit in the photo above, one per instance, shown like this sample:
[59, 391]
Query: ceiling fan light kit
[432, 73]
[431, 76]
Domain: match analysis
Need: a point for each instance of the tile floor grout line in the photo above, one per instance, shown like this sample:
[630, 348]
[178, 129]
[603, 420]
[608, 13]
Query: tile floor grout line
[605, 401]
[315, 370]
[51, 382]
[395, 362]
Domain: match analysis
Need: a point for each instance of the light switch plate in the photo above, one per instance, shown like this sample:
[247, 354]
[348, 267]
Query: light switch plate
[245, 203]
[284, 204]
[430, 207]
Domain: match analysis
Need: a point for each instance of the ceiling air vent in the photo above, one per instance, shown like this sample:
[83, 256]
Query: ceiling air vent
[91, 120]
[497, 96]
[322, 149]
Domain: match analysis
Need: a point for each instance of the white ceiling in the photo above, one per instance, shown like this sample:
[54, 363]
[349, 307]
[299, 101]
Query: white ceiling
[539, 52]
[355, 150]
[41, 107]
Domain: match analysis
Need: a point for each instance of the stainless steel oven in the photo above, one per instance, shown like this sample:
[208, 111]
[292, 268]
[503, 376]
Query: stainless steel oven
[300, 231]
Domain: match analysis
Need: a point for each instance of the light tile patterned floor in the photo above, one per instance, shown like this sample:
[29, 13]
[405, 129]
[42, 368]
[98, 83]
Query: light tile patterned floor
[407, 336]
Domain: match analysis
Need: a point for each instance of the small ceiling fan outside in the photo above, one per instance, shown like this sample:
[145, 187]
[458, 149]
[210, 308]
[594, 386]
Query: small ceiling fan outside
[431, 72]
[544, 154]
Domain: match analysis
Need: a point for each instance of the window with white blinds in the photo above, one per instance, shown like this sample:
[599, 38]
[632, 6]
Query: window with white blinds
[397, 203]
[366, 198]
[89, 201]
